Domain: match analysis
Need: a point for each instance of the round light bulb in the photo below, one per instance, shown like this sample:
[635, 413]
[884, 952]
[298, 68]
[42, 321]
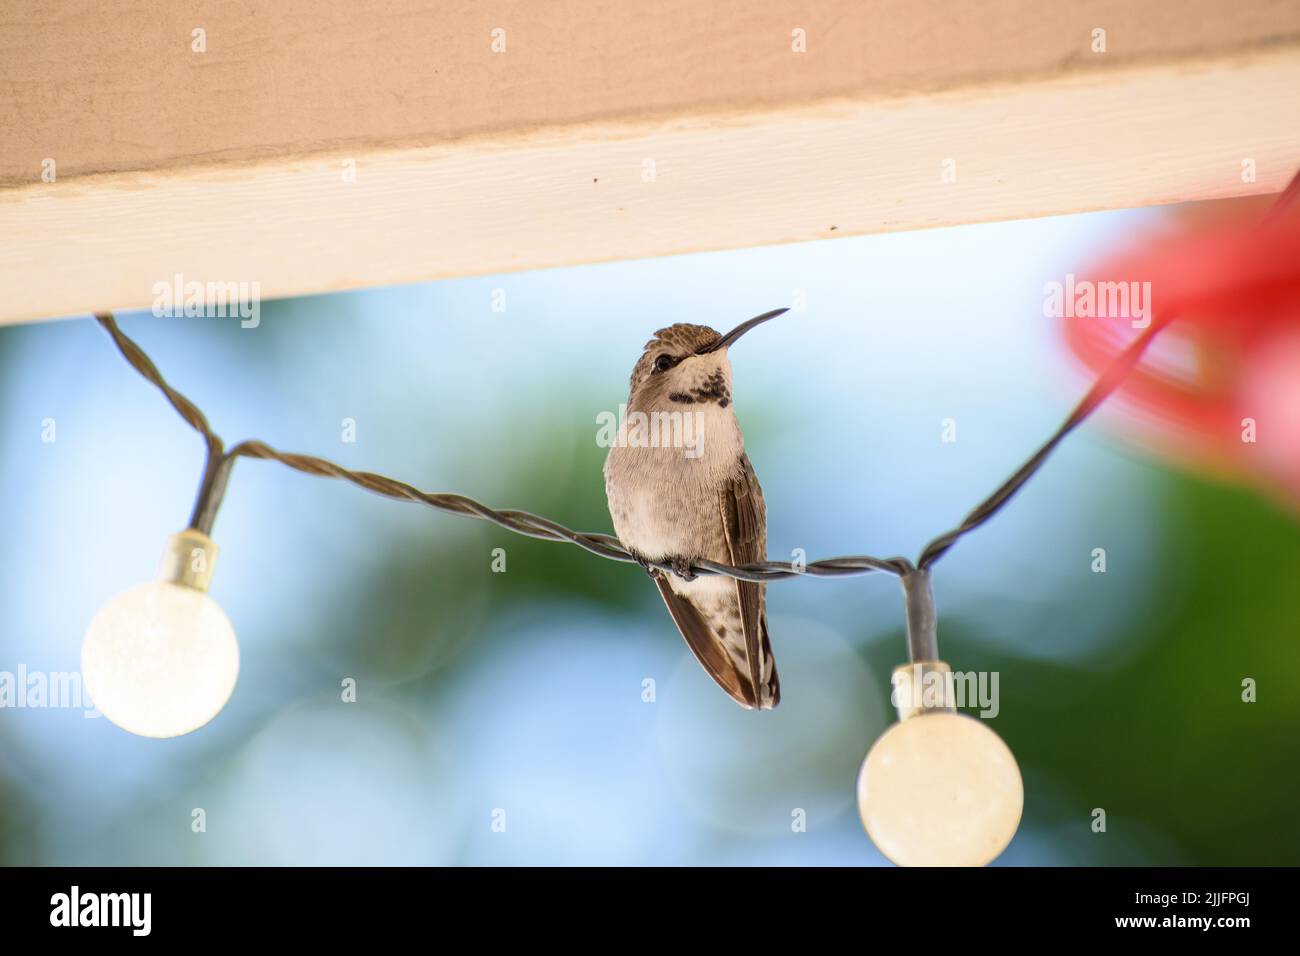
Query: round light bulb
[161, 659]
[940, 789]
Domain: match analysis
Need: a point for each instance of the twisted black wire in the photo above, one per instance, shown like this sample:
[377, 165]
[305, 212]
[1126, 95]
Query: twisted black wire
[1101, 389]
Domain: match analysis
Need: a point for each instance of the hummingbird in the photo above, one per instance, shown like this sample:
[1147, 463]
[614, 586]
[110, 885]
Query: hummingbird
[677, 505]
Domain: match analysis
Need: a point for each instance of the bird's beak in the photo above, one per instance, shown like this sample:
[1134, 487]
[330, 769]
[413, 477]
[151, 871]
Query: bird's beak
[727, 340]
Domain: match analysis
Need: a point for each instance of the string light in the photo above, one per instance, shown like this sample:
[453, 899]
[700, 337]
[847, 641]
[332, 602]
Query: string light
[160, 660]
[937, 788]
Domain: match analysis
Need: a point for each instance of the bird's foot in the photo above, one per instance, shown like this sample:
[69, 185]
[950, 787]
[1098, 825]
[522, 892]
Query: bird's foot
[642, 560]
[682, 568]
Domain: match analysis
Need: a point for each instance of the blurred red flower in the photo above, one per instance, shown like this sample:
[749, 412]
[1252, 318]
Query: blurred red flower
[1218, 388]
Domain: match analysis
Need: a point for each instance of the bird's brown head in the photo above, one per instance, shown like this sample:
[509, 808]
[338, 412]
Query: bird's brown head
[687, 364]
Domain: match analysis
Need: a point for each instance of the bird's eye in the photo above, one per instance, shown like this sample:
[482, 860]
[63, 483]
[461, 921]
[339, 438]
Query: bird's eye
[664, 362]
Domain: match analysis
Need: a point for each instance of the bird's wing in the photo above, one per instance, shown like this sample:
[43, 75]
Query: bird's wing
[706, 647]
[744, 521]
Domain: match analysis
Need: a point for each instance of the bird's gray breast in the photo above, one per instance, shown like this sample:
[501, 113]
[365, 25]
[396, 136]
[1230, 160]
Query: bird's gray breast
[663, 505]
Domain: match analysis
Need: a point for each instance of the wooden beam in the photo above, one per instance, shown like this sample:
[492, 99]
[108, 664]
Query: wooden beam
[601, 132]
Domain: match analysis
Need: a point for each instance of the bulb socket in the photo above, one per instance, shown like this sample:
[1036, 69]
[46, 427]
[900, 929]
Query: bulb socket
[923, 687]
[189, 559]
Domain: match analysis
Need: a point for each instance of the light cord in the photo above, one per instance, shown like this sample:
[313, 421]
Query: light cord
[219, 464]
